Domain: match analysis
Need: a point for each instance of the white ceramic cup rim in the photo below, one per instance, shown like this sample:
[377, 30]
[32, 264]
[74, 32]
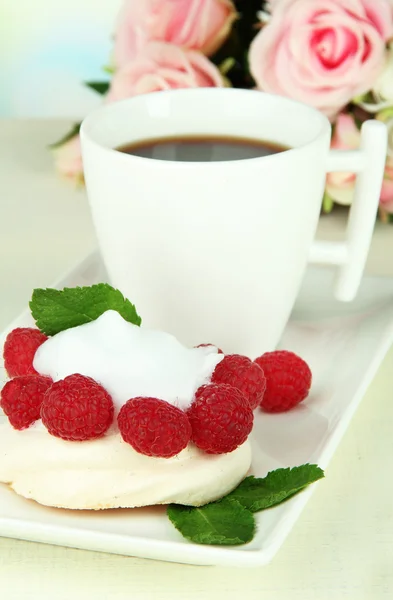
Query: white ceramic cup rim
[95, 126]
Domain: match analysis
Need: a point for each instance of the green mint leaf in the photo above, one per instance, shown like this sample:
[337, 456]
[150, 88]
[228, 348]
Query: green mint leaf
[230, 521]
[224, 523]
[55, 310]
[67, 137]
[101, 87]
[257, 494]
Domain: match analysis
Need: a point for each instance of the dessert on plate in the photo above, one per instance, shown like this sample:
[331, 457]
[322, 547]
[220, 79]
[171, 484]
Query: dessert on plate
[104, 413]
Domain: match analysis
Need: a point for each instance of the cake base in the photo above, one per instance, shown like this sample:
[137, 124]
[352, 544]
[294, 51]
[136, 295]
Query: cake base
[107, 473]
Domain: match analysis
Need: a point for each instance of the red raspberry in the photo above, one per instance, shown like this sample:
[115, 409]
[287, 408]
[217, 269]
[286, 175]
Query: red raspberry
[240, 372]
[19, 349]
[21, 399]
[77, 408]
[219, 351]
[221, 418]
[288, 380]
[154, 427]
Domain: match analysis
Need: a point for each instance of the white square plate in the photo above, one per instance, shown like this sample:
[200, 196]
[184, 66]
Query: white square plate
[344, 345]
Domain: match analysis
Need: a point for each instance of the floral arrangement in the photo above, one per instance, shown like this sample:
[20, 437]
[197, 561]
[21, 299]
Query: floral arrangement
[335, 55]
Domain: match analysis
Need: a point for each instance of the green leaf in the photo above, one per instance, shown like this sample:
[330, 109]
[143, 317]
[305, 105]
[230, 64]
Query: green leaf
[367, 98]
[327, 203]
[258, 494]
[226, 65]
[229, 521]
[225, 523]
[67, 137]
[98, 86]
[55, 310]
[108, 69]
[385, 114]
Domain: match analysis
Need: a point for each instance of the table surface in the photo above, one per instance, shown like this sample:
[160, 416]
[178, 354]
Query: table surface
[342, 545]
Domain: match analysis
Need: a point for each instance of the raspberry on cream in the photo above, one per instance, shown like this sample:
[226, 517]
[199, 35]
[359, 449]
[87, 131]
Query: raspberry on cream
[19, 349]
[243, 374]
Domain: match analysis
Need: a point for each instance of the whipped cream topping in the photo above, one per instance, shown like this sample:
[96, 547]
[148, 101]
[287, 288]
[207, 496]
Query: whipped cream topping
[108, 473]
[128, 361]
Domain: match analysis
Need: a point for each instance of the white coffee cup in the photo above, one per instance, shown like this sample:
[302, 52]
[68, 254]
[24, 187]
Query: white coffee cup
[215, 252]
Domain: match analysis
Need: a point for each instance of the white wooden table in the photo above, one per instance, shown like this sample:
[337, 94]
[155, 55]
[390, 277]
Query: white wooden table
[341, 547]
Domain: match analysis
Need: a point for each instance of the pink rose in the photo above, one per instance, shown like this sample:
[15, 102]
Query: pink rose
[322, 52]
[194, 24]
[162, 66]
[68, 160]
[340, 186]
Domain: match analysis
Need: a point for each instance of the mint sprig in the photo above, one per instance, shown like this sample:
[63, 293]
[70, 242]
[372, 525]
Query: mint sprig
[228, 524]
[230, 521]
[57, 310]
[258, 494]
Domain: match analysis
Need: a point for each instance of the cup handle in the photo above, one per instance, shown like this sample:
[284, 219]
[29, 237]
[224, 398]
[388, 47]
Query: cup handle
[351, 255]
